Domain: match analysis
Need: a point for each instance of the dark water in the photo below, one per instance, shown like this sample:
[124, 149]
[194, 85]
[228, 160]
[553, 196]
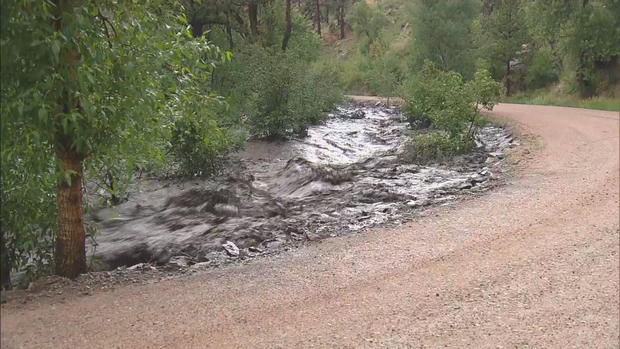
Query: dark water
[344, 176]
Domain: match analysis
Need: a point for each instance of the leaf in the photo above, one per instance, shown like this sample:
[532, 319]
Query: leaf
[42, 114]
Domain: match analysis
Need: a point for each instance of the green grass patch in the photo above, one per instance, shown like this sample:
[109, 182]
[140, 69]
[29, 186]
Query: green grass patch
[547, 98]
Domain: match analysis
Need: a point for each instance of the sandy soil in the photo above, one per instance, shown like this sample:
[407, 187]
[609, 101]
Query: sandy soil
[532, 264]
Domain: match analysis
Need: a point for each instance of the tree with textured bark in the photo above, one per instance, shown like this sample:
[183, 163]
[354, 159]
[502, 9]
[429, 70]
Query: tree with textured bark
[79, 79]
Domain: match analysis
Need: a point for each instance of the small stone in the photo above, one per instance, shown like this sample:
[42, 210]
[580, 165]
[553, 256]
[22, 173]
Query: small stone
[255, 249]
[358, 114]
[466, 185]
[231, 249]
[226, 210]
[179, 261]
[200, 265]
[412, 204]
[141, 266]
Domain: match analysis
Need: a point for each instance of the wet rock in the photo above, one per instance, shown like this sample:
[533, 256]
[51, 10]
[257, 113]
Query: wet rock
[231, 249]
[255, 249]
[178, 262]
[200, 265]
[275, 243]
[466, 185]
[418, 203]
[358, 114]
[141, 266]
[477, 178]
[226, 210]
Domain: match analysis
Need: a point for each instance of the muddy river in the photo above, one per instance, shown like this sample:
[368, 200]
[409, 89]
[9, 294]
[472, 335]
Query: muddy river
[346, 175]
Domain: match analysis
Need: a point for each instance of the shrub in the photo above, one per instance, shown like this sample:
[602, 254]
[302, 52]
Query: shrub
[198, 147]
[439, 96]
[434, 146]
[541, 71]
[443, 102]
[281, 93]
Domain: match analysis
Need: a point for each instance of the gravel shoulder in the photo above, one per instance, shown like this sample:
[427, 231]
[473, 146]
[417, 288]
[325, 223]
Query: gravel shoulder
[533, 263]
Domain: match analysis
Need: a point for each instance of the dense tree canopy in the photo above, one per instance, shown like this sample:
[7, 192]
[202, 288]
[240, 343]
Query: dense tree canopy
[528, 45]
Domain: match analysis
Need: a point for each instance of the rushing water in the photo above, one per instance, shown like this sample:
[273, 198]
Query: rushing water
[344, 176]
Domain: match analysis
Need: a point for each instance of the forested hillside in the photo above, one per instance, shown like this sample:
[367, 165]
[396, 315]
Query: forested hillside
[568, 48]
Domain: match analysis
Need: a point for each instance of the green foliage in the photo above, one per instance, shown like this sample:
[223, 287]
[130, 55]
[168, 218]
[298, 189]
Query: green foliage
[434, 146]
[440, 96]
[442, 33]
[286, 97]
[367, 23]
[199, 146]
[504, 35]
[111, 81]
[546, 97]
[582, 35]
[485, 91]
[443, 102]
[541, 71]
[525, 44]
[280, 93]
[593, 38]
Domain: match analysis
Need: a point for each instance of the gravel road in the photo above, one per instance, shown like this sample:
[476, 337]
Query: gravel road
[532, 264]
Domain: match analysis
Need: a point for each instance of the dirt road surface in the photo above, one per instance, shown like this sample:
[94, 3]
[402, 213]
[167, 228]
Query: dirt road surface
[532, 264]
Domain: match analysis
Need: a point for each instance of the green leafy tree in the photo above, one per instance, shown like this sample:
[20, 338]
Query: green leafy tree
[485, 93]
[505, 33]
[581, 35]
[80, 78]
[442, 33]
[367, 23]
[440, 96]
[442, 102]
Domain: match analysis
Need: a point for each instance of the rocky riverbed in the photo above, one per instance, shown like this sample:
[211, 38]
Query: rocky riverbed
[345, 176]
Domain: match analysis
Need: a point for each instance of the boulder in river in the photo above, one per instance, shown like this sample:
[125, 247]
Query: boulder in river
[231, 248]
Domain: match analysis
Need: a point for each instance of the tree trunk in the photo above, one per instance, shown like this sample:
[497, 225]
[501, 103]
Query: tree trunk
[341, 22]
[5, 262]
[231, 43]
[487, 7]
[253, 17]
[289, 26]
[70, 252]
[507, 78]
[70, 240]
[318, 17]
[584, 84]
[327, 15]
